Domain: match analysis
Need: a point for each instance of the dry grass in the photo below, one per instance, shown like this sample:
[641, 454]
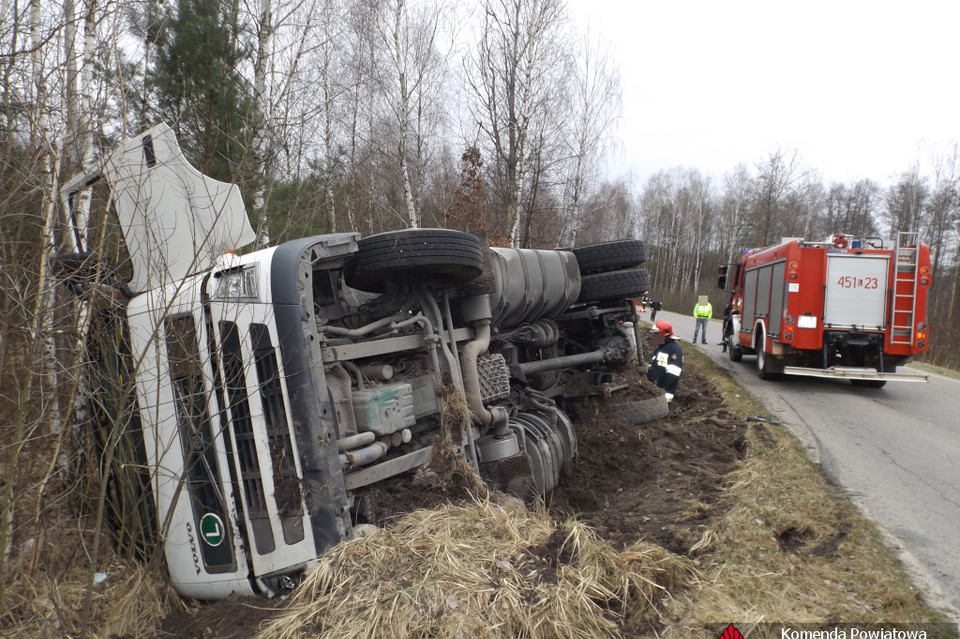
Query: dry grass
[484, 570]
[50, 600]
[789, 547]
[783, 546]
[936, 370]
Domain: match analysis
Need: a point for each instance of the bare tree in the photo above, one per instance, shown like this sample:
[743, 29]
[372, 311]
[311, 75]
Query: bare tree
[733, 225]
[852, 208]
[260, 117]
[776, 177]
[595, 106]
[507, 76]
[905, 201]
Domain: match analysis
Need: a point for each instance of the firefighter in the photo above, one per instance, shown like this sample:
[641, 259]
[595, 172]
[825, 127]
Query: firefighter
[702, 312]
[727, 313]
[667, 362]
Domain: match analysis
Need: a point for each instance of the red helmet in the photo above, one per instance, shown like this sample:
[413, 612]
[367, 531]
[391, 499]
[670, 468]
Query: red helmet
[664, 327]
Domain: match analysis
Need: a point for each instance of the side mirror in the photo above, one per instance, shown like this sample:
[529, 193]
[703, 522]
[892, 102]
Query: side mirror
[722, 282]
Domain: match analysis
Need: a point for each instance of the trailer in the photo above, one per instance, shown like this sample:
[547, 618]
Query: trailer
[843, 308]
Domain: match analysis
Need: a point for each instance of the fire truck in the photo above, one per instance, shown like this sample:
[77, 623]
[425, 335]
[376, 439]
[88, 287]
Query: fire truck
[843, 307]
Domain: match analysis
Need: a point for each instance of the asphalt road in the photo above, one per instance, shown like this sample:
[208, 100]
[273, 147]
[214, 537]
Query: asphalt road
[894, 451]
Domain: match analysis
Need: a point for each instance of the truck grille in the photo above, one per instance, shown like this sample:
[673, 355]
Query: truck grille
[287, 489]
[247, 458]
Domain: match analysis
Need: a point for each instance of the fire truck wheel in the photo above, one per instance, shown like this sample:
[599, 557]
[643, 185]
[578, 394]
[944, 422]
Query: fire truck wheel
[640, 411]
[610, 256]
[447, 257]
[607, 286]
[766, 368]
[734, 352]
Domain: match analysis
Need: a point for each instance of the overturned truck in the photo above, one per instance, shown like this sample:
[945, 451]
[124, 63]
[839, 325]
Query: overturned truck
[271, 392]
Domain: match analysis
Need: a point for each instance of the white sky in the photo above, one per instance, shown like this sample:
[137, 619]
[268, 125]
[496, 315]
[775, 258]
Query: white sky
[862, 89]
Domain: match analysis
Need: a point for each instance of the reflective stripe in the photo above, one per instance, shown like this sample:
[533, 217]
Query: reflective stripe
[669, 397]
[673, 369]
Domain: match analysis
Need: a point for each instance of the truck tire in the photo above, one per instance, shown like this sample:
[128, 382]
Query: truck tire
[443, 256]
[610, 256]
[614, 284]
[640, 411]
[767, 367]
[734, 352]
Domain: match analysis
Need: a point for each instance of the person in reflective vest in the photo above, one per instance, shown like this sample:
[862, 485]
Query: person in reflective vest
[667, 362]
[702, 312]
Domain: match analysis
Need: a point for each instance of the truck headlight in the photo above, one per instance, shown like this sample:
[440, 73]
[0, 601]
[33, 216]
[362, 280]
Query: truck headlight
[238, 284]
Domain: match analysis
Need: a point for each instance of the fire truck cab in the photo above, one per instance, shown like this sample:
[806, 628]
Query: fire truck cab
[843, 307]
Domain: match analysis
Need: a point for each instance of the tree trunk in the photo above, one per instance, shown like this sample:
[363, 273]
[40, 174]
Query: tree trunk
[261, 114]
[403, 116]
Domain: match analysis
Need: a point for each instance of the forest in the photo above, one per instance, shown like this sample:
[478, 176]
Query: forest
[373, 115]
[499, 116]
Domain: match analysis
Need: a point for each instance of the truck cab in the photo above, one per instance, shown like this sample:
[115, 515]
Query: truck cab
[271, 395]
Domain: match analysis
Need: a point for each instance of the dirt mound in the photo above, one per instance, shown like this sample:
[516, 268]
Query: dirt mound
[657, 481]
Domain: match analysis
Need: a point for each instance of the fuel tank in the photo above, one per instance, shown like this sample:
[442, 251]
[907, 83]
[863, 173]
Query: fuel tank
[531, 284]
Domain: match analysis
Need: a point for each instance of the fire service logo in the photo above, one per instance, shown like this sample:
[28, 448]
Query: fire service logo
[730, 632]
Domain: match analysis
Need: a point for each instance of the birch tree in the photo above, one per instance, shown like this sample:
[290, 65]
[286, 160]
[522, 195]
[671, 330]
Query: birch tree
[595, 106]
[519, 42]
[733, 223]
[413, 91]
[260, 117]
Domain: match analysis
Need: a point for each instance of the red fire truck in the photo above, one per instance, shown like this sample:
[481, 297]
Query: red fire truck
[844, 307]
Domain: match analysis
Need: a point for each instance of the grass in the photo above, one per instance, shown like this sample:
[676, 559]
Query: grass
[486, 569]
[936, 370]
[790, 547]
[783, 545]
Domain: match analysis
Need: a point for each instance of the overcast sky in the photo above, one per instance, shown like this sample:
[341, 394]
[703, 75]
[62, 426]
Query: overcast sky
[861, 89]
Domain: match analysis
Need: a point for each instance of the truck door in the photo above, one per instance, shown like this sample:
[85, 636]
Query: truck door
[749, 300]
[856, 294]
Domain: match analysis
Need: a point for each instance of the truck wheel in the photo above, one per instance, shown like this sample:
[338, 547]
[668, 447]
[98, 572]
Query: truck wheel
[610, 256]
[606, 286]
[766, 365]
[443, 256]
[734, 352]
[640, 411]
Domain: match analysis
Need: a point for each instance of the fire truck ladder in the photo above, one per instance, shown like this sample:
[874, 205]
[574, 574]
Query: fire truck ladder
[904, 288]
